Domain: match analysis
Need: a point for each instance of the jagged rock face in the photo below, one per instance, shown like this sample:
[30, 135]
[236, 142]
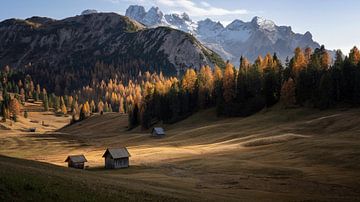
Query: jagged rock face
[88, 11]
[136, 12]
[82, 40]
[250, 39]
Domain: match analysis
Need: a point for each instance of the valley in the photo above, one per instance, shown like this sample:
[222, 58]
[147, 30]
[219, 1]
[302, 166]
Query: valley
[276, 154]
[179, 100]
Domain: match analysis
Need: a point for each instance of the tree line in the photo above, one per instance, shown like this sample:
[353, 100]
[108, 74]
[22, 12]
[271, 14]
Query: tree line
[310, 78]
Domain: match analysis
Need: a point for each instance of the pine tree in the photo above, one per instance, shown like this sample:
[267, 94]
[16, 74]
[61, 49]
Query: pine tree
[325, 90]
[288, 93]
[46, 103]
[133, 117]
[56, 102]
[270, 87]
[241, 88]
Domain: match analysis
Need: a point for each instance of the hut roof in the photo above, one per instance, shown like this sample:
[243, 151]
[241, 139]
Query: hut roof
[76, 159]
[117, 153]
[158, 131]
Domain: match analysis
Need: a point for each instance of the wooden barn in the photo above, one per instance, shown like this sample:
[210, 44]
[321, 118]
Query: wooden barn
[116, 158]
[157, 132]
[76, 161]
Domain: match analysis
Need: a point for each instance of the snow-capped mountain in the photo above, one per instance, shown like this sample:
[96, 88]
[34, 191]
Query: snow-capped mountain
[250, 39]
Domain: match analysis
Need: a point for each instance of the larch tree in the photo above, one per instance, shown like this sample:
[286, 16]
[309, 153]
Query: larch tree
[189, 80]
[299, 61]
[121, 105]
[244, 63]
[229, 83]
[308, 52]
[63, 109]
[325, 60]
[354, 55]
[259, 62]
[206, 86]
[15, 108]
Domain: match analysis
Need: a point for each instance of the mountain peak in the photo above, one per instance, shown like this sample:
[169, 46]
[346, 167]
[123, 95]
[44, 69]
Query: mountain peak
[263, 23]
[89, 11]
[250, 39]
[308, 35]
[136, 12]
[185, 16]
[153, 17]
[235, 24]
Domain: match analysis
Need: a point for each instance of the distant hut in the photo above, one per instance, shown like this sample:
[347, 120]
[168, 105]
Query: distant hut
[116, 158]
[76, 161]
[158, 132]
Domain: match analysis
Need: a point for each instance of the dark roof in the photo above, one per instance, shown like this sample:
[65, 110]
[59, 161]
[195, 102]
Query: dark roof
[158, 131]
[117, 153]
[76, 159]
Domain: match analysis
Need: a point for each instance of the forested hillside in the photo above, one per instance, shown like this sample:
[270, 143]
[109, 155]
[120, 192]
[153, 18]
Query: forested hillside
[64, 55]
[309, 79]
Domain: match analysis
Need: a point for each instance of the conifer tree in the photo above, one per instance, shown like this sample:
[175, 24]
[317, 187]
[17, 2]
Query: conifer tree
[325, 60]
[206, 86]
[14, 108]
[299, 61]
[121, 105]
[288, 93]
[189, 80]
[26, 114]
[229, 83]
[63, 109]
[354, 56]
[325, 99]
[46, 103]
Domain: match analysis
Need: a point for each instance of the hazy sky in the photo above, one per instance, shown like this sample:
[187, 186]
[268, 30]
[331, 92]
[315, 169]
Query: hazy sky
[334, 23]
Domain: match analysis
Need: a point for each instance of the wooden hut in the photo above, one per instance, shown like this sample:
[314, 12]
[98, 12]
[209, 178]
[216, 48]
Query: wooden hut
[116, 158]
[157, 132]
[76, 161]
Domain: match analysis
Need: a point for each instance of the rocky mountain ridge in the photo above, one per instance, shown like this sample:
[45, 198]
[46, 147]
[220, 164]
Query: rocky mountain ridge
[250, 39]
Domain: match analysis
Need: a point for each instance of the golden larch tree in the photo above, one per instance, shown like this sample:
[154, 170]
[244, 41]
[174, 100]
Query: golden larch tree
[189, 80]
[229, 83]
[299, 62]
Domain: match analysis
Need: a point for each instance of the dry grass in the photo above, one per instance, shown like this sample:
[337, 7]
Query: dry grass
[280, 155]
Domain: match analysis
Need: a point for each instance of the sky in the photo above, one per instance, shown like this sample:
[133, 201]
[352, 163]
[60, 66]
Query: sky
[334, 23]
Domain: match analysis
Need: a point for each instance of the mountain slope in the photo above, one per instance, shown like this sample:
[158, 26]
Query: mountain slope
[250, 39]
[24, 180]
[80, 41]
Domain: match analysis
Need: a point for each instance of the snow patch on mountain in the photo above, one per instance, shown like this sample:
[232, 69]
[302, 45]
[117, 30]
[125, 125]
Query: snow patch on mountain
[250, 39]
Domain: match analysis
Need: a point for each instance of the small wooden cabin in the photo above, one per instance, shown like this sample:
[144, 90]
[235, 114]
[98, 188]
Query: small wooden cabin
[76, 161]
[158, 132]
[116, 158]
